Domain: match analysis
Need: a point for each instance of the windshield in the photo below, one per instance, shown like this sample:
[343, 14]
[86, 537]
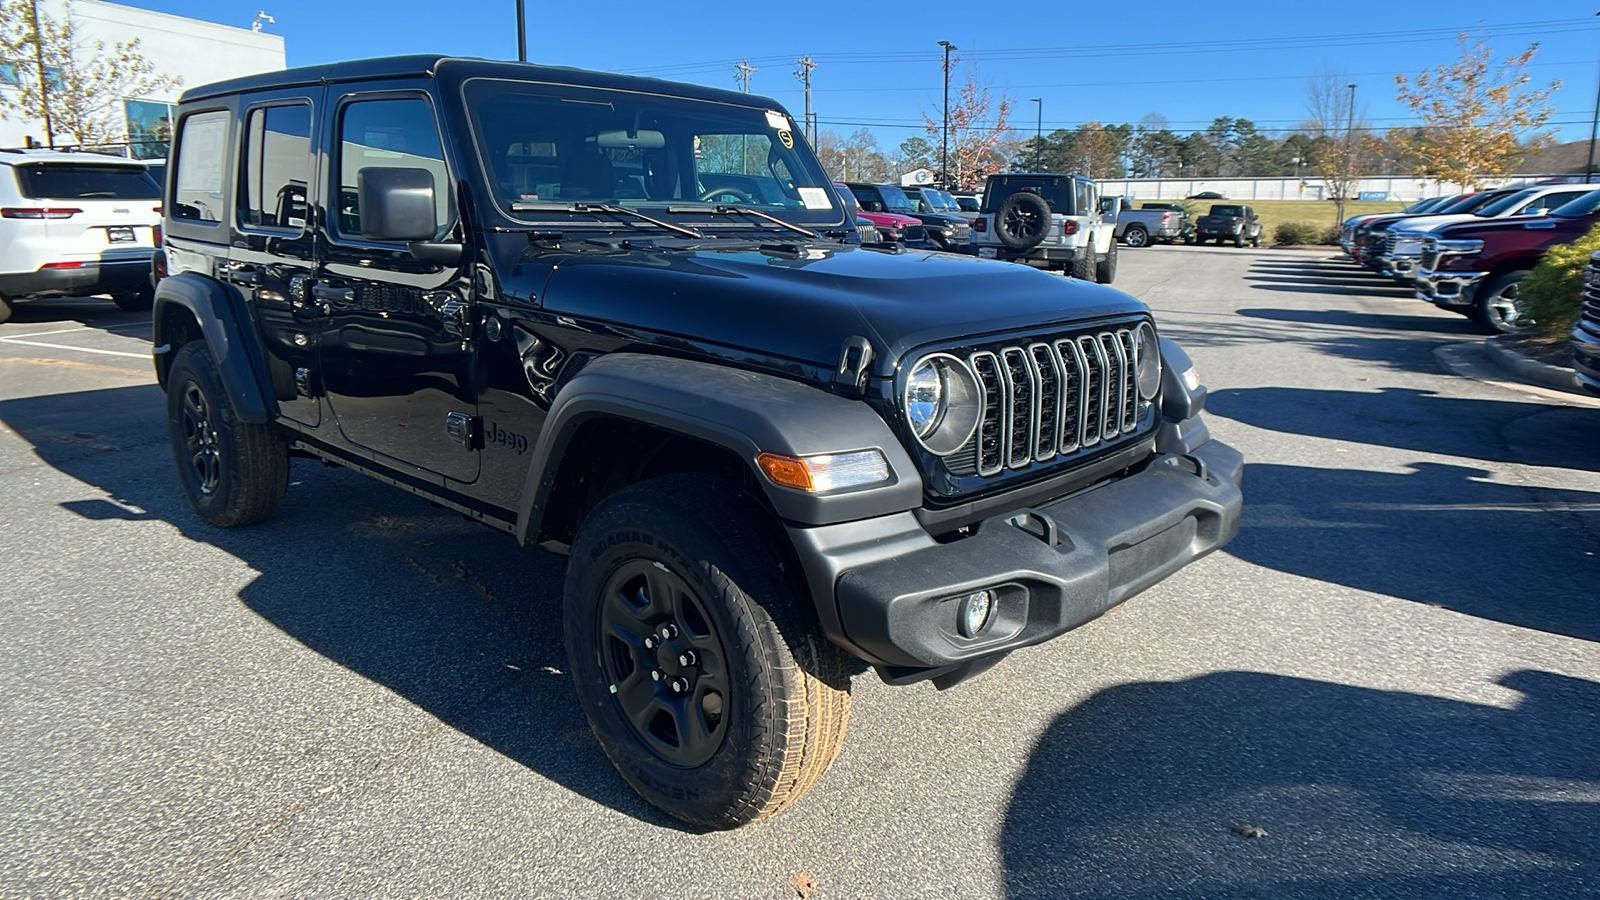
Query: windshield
[894, 199]
[848, 199]
[1505, 203]
[1587, 205]
[57, 181]
[545, 146]
[1422, 206]
[1237, 211]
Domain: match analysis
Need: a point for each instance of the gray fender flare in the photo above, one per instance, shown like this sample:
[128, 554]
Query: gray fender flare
[226, 327]
[746, 412]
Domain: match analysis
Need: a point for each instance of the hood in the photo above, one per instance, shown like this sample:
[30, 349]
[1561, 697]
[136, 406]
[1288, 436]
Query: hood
[801, 302]
[1484, 227]
[1434, 223]
[889, 218]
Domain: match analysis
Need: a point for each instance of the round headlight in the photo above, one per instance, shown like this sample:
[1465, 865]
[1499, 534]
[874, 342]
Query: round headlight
[942, 403]
[1148, 351]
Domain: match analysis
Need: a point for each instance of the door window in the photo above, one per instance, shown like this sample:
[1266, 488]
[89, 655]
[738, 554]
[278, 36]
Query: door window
[277, 167]
[202, 150]
[395, 133]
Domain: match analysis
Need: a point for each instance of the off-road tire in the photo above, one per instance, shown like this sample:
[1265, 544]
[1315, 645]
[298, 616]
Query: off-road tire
[710, 562]
[139, 300]
[1238, 240]
[1256, 241]
[233, 473]
[1022, 221]
[5, 310]
[1082, 267]
[1105, 271]
[1136, 236]
[1495, 305]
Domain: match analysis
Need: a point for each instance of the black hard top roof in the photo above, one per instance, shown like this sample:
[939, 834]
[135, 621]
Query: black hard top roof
[1039, 176]
[428, 65]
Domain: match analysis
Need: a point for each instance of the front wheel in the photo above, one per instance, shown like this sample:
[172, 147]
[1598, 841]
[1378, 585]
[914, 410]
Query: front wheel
[704, 683]
[233, 472]
[1499, 307]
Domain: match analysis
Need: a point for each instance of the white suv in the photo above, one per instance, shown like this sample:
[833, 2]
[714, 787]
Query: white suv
[73, 224]
[1048, 221]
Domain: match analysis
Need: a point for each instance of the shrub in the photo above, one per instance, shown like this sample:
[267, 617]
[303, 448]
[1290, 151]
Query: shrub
[1330, 234]
[1293, 233]
[1553, 291]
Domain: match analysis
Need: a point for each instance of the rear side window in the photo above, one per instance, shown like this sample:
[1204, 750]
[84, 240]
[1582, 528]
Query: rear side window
[277, 166]
[202, 153]
[388, 134]
[76, 181]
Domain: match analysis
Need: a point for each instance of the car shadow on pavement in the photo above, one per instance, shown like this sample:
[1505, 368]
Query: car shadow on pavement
[453, 617]
[1246, 784]
[1374, 289]
[94, 312]
[1443, 324]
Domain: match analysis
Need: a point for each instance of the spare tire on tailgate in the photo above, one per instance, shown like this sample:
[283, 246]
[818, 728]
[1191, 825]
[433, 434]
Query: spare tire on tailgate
[1022, 221]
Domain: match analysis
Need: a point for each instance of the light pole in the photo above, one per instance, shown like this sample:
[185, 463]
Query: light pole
[522, 32]
[1038, 137]
[944, 141]
[1588, 170]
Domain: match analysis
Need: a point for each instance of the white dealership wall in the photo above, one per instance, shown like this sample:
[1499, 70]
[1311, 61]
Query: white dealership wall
[1393, 187]
[195, 51]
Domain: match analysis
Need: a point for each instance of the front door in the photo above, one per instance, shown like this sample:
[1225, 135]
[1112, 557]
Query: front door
[396, 345]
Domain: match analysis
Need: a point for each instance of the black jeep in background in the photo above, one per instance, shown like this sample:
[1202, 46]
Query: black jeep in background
[630, 322]
[1229, 222]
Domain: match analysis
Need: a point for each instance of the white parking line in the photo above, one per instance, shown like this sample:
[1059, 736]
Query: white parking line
[78, 349]
[43, 333]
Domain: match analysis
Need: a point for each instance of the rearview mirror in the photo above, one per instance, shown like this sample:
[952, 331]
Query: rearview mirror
[396, 204]
[639, 140]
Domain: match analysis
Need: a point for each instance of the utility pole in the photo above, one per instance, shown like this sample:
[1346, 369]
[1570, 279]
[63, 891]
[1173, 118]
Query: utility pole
[804, 74]
[44, 83]
[1038, 137]
[745, 70]
[522, 32]
[944, 139]
[1588, 170]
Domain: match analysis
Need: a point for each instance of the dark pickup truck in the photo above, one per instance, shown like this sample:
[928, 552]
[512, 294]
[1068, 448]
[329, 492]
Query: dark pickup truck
[1229, 222]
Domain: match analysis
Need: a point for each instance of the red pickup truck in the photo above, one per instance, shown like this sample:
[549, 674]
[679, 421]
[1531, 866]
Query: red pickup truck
[1473, 268]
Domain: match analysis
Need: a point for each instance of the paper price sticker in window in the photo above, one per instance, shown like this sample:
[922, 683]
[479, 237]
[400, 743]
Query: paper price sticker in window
[777, 121]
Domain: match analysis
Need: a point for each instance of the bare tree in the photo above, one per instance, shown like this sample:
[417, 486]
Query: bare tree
[76, 86]
[1338, 131]
[1473, 118]
[978, 124]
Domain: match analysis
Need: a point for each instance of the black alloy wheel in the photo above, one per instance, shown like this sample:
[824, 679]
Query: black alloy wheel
[703, 677]
[1022, 221]
[232, 472]
[664, 661]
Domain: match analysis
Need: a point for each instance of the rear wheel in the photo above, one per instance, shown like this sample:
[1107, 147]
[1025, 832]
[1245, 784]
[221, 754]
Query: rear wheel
[233, 472]
[5, 310]
[708, 689]
[1238, 240]
[1136, 236]
[1083, 266]
[138, 300]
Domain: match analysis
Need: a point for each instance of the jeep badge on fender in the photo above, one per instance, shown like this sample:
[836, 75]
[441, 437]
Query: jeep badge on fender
[763, 447]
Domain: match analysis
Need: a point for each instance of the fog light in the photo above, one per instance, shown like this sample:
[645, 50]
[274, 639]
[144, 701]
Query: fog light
[975, 610]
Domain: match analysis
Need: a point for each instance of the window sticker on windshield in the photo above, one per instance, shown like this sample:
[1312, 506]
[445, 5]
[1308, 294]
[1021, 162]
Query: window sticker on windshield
[787, 139]
[777, 121]
[815, 198]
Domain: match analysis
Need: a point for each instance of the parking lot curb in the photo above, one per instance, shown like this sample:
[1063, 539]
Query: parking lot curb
[1562, 379]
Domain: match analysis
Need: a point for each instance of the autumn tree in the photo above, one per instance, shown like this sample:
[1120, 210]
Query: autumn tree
[76, 87]
[978, 124]
[1473, 115]
[853, 158]
[1338, 127]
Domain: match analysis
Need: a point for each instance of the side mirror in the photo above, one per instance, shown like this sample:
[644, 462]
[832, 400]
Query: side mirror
[396, 204]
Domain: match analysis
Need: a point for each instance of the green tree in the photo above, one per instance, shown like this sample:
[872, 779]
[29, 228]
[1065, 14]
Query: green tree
[76, 87]
[1474, 116]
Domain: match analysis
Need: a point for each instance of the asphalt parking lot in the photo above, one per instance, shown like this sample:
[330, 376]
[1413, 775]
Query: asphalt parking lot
[1392, 676]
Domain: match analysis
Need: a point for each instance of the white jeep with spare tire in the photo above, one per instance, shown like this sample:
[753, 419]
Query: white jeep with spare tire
[1047, 221]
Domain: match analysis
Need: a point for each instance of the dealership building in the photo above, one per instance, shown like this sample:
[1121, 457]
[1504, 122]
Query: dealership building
[190, 50]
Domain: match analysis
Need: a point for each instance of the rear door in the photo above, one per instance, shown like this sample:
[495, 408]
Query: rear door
[396, 344]
[272, 257]
[103, 210]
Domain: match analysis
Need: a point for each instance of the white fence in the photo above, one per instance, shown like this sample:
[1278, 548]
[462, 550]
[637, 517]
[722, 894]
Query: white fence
[1379, 187]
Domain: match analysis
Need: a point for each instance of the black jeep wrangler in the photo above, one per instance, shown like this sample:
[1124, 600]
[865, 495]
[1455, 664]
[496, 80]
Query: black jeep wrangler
[630, 322]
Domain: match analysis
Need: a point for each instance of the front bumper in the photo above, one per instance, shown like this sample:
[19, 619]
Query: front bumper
[1051, 568]
[1404, 267]
[1447, 290]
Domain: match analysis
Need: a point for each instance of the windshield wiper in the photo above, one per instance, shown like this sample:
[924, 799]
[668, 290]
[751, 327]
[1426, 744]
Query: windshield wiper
[581, 207]
[727, 210]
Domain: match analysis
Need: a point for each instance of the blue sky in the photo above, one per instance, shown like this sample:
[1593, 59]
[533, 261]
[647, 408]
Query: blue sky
[879, 62]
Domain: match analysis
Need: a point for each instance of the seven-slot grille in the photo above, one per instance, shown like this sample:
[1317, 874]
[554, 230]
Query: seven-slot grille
[1591, 297]
[1430, 254]
[1052, 398]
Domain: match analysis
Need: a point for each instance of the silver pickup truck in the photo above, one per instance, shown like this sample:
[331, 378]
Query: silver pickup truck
[1164, 222]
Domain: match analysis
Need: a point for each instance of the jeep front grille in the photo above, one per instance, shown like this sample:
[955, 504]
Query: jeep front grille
[1590, 317]
[1052, 399]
